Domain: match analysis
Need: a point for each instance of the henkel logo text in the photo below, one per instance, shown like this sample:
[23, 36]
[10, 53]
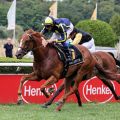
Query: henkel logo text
[102, 90]
[31, 92]
[95, 91]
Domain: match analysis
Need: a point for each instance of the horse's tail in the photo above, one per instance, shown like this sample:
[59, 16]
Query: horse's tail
[116, 61]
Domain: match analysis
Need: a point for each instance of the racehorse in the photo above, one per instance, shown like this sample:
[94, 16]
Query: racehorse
[103, 58]
[47, 65]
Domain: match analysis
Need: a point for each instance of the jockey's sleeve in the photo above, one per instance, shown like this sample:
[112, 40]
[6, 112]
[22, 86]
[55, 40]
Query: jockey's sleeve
[77, 39]
[62, 33]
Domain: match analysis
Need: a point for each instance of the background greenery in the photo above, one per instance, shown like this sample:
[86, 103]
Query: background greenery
[30, 14]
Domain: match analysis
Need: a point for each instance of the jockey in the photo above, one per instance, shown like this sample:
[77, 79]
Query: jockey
[61, 29]
[83, 38]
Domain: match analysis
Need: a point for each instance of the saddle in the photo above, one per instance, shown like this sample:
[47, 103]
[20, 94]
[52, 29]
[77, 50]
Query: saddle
[75, 55]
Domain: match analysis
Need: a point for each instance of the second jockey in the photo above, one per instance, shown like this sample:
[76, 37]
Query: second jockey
[82, 38]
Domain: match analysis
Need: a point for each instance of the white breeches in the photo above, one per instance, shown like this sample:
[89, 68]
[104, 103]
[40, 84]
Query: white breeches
[90, 45]
[70, 29]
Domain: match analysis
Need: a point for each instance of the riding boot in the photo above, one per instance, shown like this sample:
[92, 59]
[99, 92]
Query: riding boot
[68, 55]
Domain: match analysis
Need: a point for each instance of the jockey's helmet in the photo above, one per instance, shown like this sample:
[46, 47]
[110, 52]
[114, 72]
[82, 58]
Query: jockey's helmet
[48, 21]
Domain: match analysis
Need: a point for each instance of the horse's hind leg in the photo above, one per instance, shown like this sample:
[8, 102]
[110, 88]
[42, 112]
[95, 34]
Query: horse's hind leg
[71, 83]
[78, 80]
[77, 94]
[110, 86]
[78, 98]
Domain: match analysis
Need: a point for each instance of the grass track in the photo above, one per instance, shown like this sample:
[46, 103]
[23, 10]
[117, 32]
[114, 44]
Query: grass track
[90, 111]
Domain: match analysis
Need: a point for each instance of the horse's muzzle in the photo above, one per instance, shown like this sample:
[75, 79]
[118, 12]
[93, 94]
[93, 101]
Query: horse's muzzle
[19, 54]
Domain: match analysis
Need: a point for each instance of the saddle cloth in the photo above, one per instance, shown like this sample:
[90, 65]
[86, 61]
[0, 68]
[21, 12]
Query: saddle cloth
[75, 54]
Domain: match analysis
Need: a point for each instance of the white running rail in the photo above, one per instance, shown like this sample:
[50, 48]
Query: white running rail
[16, 64]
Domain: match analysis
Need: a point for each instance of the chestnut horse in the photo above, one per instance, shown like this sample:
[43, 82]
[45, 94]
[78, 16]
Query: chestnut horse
[47, 65]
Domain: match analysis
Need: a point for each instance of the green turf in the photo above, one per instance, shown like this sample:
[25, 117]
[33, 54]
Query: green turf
[90, 111]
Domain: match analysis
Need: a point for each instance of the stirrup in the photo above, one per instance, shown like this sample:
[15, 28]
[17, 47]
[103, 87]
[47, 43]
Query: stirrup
[69, 60]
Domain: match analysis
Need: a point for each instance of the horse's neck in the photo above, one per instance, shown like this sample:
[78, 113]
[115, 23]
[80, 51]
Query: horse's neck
[40, 53]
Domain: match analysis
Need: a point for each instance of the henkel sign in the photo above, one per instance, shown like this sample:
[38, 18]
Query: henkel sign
[95, 91]
[92, 90]
[31, 92]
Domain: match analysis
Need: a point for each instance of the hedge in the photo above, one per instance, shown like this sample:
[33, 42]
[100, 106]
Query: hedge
[14, 69]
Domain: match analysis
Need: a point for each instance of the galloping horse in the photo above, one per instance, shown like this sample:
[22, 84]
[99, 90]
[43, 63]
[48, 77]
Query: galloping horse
[47, 65]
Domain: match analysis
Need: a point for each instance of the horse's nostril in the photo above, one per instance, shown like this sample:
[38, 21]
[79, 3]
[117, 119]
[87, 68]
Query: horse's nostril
[18, 56]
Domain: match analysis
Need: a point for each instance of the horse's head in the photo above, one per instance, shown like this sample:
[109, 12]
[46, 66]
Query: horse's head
[28, 43]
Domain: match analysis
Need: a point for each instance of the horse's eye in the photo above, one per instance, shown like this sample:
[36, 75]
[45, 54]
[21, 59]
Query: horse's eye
[26, 43]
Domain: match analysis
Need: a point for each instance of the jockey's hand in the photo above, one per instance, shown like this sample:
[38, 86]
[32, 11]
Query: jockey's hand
[44, 42]
[51, 40]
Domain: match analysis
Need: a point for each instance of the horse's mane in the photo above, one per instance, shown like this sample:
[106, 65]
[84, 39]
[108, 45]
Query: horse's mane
[37, 34]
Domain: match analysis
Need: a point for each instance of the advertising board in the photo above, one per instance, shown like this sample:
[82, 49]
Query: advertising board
[92, 90]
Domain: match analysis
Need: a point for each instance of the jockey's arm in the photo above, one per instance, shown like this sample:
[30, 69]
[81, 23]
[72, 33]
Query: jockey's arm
[77, 39]
[62, 33]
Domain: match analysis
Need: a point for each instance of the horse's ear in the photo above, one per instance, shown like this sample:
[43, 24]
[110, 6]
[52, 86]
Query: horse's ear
[30, 31]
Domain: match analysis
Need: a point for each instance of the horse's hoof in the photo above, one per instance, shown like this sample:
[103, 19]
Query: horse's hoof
[51, 90]
[57, 110]
[44, 106]
[80, 105]
[20, 102]
[59, 104]
[118, 97]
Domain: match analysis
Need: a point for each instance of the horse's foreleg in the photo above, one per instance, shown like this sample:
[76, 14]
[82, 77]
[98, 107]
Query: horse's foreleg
[23, 79]
[50, 81]
[59, 90]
